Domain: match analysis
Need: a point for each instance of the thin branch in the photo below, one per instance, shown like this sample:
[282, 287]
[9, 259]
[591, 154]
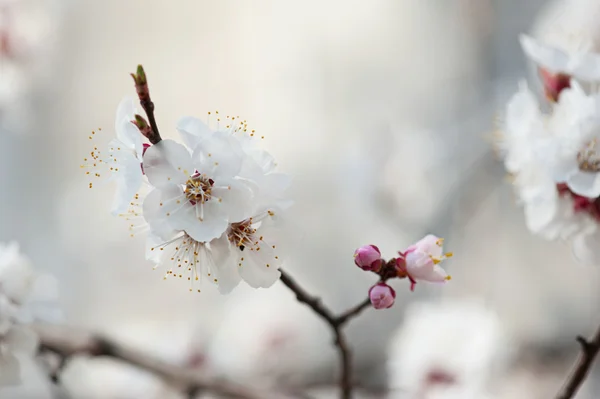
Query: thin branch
[336, 323]
[141, 86]
[589, 351]
[351, 313]
[66, 344]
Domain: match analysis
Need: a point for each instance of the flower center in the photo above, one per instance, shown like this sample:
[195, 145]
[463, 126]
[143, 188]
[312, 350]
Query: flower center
[198, 188]
[589, 158]
[242, 234]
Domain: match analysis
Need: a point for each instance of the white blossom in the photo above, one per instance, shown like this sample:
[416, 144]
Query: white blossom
[123, 160]
[199, 192]
[581, 63]
[446, 350]
[540, 151]
[21, 292]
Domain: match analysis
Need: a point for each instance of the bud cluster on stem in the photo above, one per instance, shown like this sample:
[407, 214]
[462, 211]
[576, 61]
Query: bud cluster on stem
[419, 262]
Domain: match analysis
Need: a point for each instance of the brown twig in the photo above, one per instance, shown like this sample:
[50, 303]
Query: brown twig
[336, 323]
[589, 351]
[66, 344]
[141, 86]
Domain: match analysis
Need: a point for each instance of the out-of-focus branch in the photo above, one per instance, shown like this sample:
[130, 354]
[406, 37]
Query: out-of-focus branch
[336, 323]
[66, 344]
[589, 351]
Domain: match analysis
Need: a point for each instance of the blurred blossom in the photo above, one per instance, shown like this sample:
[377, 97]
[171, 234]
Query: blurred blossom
[20, 288]
[268, 339]
[446, 350]
[27, 39]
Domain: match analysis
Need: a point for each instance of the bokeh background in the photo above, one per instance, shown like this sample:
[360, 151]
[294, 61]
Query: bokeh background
[383, 112]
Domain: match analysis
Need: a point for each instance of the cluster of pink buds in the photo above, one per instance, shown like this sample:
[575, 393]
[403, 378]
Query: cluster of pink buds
[419, 262]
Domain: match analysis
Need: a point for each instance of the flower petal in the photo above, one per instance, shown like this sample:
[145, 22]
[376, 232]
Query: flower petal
[259, 266]
[421, 267]
[155, 213]
[551, 58]
[586, 184]
[223, 268]
[217, 157]
[167, 162]
[203, 222]
[585, 66]
[235, 196]
[193, 131]
[129, 179]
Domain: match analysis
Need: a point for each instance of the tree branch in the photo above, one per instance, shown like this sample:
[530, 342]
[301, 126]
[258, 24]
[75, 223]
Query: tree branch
[589, 351]
[141, 86]
[66, 344]
[336, 323]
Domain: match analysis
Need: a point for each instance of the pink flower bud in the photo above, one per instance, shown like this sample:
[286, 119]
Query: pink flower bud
[368, 258]
[382, 296]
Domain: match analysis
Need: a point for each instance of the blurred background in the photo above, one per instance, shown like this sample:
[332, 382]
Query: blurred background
[382, 111]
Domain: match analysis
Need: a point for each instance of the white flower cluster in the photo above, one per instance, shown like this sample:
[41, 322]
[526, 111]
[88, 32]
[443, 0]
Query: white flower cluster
[213, 204]
[22, 291]
[554, 157]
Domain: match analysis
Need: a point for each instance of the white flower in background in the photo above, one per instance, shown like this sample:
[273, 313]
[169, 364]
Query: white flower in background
[27, 39]
[267, 339]
[199, 192]
[21, 293]
[446, 350]
[123, 162]
[572, 153]
[531, 143]
[524, 124]
[581, 63]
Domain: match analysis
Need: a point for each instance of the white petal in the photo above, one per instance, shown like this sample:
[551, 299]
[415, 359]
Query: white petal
[236, 198]
[539, 215]
[259, 265]
[125, 112]
[129, 179]
[550, 58]
[193, 131]
[10, 371]
[129, 134]
[203, 222]
[167, 162]
[429, 245]
[155, 214]
[585, 66]
[22, 340]
[421, 267]
[216, 157]
[585, 184]
[223, 268]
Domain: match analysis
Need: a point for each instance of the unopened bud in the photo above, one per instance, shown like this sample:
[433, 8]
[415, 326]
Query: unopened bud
[141, 83]
[368, 257]
[382, 296]
[143, 126]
